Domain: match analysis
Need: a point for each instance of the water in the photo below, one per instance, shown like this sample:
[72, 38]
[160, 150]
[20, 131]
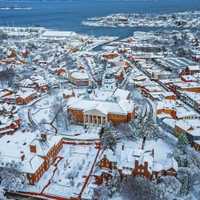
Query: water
[68, 14]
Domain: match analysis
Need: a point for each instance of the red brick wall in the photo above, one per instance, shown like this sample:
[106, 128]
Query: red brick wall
[51, 156]
[141, 170]
[76, 115]
[167, 111]
[117, 118]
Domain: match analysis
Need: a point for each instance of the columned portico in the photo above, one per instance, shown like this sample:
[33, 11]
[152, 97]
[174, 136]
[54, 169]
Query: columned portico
[95, 117]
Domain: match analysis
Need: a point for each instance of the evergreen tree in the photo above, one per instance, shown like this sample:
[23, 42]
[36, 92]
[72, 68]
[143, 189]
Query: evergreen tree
[183, 140]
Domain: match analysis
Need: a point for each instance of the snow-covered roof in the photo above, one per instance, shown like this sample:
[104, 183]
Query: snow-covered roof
[103, 95]
[189, 78]
[193, 95]
[26, 92]
[13, 147]
[169, 104]
[194, 67]
[6, 121]
[122, 107]
[184, 112]
[155, 152]
[5, 92]
[51, 33]
[184, 85]
[80, 75]
[191, 126]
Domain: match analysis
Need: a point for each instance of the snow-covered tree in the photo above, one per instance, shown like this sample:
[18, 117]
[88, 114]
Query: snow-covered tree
[108, 190]
[181, 157]
[183, 175]
[169, 186]
[108, 139]
[101, 193]
[139, 188]
[2, 193]
[183, 140]
[11, 180]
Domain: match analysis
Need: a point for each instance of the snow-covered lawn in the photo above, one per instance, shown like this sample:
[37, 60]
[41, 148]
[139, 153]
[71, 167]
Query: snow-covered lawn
[42, 110]
[80, 132]
[72, 170]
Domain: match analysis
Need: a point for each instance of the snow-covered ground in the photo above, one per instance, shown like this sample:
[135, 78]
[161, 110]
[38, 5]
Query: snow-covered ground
[79, 132]
[72, 170]
[67, 176]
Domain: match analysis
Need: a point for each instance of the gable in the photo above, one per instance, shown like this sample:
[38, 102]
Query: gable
[95, 112]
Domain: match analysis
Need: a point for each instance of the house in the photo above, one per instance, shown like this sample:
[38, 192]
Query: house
[179, 86]
[188, 78]
[68, 93]
[110, 55]
[192, 98]
[9, 119]
[9, 124]
[25, 96]
[36, 82]
[190, 127]
[190, 70]
[167, 107]
[60, 71]
[5, 92]
[41, 84]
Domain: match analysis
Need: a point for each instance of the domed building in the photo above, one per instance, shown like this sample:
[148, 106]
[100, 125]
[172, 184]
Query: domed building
[79, 78]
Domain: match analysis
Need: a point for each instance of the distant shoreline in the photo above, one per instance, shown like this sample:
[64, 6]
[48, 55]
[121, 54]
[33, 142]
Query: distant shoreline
[15, 8]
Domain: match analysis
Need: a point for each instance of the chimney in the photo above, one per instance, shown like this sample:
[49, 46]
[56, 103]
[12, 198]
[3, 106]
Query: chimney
[44, 137]
[153, 153]
[146, 165]
[136, 164]
[32, 148]
[22, 157]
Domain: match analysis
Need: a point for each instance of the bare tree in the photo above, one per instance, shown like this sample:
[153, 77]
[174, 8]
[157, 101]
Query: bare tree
[170, 187]
[11, 179]
[108, 190]
[108, 139]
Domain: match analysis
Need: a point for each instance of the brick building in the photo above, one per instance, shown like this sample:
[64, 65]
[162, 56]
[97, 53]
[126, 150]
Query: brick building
[142, 158]
[30, 153]
[100, 112]
[25, 96]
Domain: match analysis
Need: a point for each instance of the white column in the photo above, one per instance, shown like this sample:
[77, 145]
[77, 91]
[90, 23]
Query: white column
[89, 119]
[106, 119]
[84, 119]
[93, 119]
